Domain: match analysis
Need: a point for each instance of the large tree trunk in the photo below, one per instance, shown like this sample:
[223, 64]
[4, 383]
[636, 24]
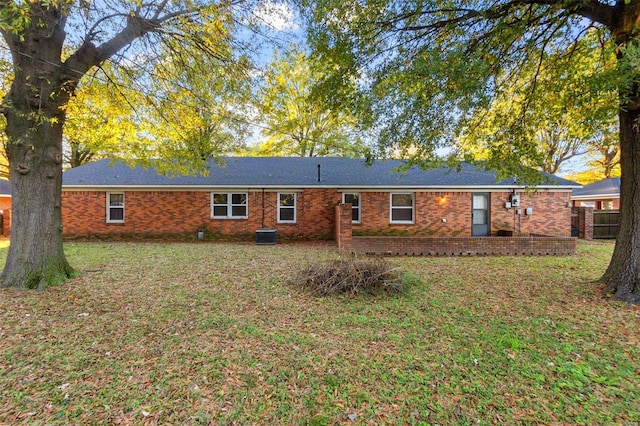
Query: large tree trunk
[622, 277]
[36, 258]
[34, 109]
[35, 116]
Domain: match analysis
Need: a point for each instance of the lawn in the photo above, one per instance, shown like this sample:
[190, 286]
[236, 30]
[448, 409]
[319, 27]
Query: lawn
[212, 334]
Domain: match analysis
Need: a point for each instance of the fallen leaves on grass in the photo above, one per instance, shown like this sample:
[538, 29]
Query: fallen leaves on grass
[210, 334]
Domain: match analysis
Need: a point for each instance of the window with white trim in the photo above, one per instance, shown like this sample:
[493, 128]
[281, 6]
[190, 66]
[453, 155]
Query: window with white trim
[228, 205]
[286, 207]
[401, 207]
[354, 199]
[115, 207]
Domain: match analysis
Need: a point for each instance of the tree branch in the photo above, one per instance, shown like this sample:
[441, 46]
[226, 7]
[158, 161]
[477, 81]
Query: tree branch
[89, 55]
[590, 9]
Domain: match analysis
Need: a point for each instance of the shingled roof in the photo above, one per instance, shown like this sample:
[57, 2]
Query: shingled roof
[293, 172]
[604, 188]
[5, 187]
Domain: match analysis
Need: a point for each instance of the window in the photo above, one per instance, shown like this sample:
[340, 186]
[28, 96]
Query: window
[606, 205]
[354, 199]
[588, 204]
[115, 207]
[228, 206]
[286, 207]
[402, 208]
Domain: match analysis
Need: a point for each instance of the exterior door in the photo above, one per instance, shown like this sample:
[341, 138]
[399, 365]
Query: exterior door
[480, 214]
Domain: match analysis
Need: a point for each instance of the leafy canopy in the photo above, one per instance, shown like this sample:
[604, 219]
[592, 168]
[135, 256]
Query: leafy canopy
[145, 79]
[546, 112]
[430, 69]
[296, 122]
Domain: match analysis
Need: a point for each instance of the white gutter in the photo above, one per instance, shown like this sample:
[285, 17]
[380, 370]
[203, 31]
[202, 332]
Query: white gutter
[589, 197]
[366, 188]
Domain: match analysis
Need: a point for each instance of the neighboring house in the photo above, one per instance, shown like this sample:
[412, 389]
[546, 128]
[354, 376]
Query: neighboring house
[5, 195]
[602, 195]
[298, 197]
[604, 198]
[5, 207]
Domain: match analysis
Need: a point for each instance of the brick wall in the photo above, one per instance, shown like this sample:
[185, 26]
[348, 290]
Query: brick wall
[6, 222]
[153, 214]
[600, 203]
[5, 207]
[5, 202]
[461, 246]
[344, 227]
[550, 214]
[430, 208]
[158, 214]
[585, 222]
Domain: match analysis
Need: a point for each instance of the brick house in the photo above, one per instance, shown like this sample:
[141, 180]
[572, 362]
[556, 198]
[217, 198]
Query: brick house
[601, 195]
[298, 197]
[5, 207]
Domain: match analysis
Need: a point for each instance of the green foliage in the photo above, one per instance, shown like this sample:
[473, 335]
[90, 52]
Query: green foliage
[199, 107]
[101, 118]
[297, 123]
[553, 112]
[495, 75]
[191, 109]
[14, 16]
[6, 71]
[181, 103]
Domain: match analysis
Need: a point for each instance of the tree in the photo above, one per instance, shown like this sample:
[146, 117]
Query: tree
[608, 150]
[433, 63]
[605, 159]
[5, 82]
[101, 119]
[297, 123]
[201, 117]
[48, 64]
[562, 121]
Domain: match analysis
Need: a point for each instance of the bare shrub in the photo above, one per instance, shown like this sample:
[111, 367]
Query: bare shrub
[353, 276]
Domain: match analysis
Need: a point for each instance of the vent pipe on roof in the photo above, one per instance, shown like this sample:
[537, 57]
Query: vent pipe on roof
[319, 173]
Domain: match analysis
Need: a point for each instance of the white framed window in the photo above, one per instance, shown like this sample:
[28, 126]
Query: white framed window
[228, 205]
[354, 199]
[115, 207]
[401, 207]
[286, 207]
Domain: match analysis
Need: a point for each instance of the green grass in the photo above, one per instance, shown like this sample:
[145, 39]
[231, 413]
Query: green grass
[212, 334]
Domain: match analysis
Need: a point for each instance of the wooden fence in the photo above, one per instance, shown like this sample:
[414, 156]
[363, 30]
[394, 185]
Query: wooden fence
[606, 223]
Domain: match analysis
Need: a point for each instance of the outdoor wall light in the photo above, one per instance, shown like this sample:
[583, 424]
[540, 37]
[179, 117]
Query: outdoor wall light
[443, 199]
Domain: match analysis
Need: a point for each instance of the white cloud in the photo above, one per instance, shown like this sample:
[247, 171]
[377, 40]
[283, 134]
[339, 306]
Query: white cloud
[278, 16]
